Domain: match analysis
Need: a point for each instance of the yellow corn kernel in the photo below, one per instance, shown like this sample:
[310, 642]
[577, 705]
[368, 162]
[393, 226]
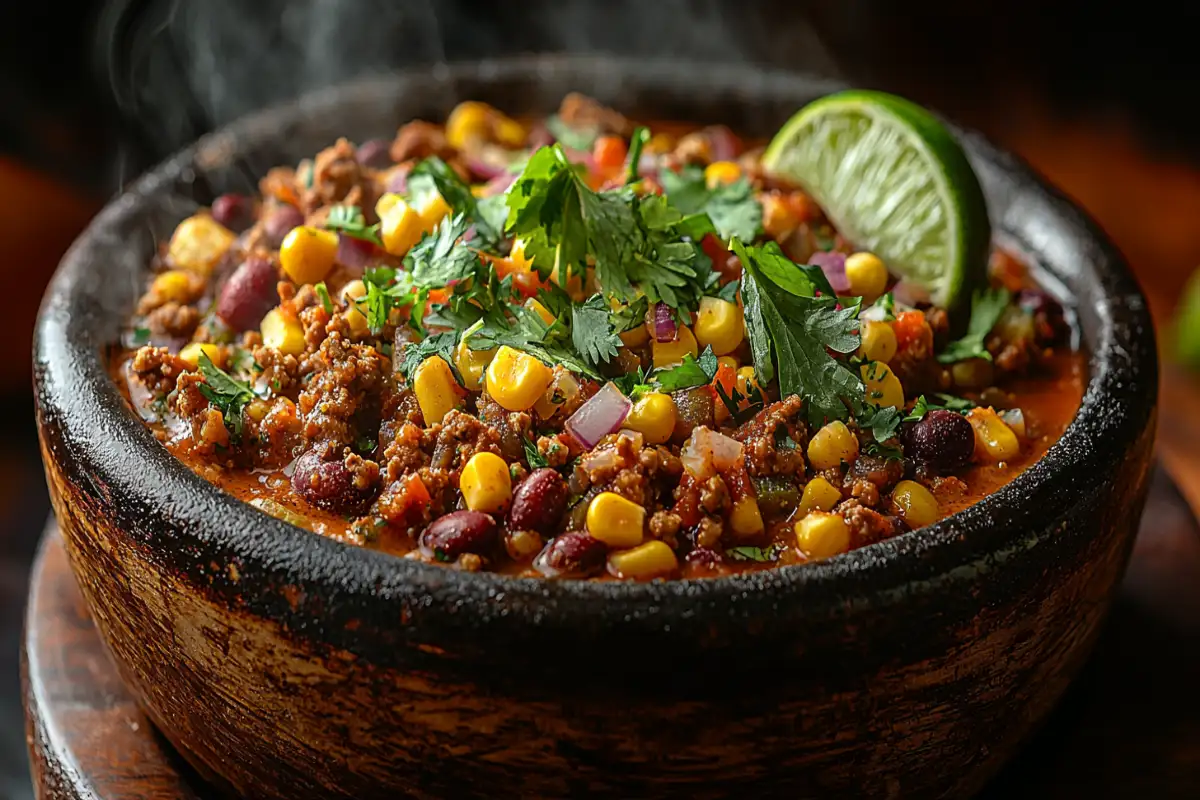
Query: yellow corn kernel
[660, 143]
[719, 325]
[174, 285]
[198, 244]
[651, 560]
[878, 342]
[467, 123]
[307, 254]
[400, 226]
[471, 364]
[436, 390]
[485, 483]
[994, 441]
[190, 353]
[534, 305]
[720, 173]
[822, 535]
[386, 203]
[516, 380]
[867, 275]
[974, 373]
[257, 409]
[282, 332]
[832, 445]
[355, 318]
[653, 416]
[916, 504]
[432, 210]
[668, 354]
[508, 131]
[883, 388]
[819, 495]
[745, 519]
[729, 361]
[616, 521]
[478, 189]
[744, 380]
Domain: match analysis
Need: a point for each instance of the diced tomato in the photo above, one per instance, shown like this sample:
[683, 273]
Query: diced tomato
[688, 504]
[609, 153]
[726, 378]
[910, 326]
[724, 262]
[415, 492]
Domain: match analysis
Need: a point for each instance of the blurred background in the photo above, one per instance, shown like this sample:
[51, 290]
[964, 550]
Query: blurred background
[1097, 97]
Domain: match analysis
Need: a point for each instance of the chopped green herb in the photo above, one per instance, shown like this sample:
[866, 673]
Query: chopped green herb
[791, 332]
[348, 220]
[323, 294]
[440, 258]
[690, 372]
[580, 139]
[434, 175]
[987, 306]
[733, 208]
[729, 291]
[227, 394]
[641, 135]
[139, 336]
[762, 555]
[944, 401]
[364, 445]
[882, 310]
[439, 344]
[535, 459]
[883, 423]
[592, 331]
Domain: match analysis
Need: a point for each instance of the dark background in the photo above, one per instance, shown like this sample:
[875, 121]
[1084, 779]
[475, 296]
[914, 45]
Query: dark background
[1097, 96]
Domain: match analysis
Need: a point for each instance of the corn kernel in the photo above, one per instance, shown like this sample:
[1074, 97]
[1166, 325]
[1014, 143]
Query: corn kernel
[720, 173]
[831, 446]
[974, 373]
[174, 286]
[436, 390]
[728, 361]
[883, 388]
[778, 218]
[634, 337]
[468, 122]
[616, 521]
[745, 381]
[516, 380]
[432, 210]
[307, 254]
[282, 332]
[485, 483]
[878, 342]
[198, 244]
[822, 535]
[819, 495]
[508, 131]
[867, 275]
[256, 409]
[916, 504]
[190, 353]
[994, 441]
[386, 203]
[719, 325]
[653, 416]
[536, 307]
[668, 354]
[400, 226]
[355, 318]
[652, 560]
[745, 519]
[471, 364]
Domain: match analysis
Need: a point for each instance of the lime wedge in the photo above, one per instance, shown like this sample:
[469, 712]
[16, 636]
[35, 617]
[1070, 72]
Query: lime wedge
[893, 181]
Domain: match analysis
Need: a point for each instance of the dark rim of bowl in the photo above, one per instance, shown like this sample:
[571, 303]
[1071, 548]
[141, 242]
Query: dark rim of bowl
[1037, 219]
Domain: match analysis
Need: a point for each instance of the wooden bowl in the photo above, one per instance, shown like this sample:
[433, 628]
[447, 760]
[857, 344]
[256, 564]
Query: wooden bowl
[285, 665]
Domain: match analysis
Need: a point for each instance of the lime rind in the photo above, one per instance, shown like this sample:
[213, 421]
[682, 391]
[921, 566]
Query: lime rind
[894, 181]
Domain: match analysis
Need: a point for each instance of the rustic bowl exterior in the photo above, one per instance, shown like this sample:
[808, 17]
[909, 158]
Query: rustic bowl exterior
[285, 665]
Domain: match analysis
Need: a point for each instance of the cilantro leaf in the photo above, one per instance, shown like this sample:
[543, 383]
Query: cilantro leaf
[592, 331]
[799, 330]
[440, 259]
[439, 344]
[227, 394]
[733, 208]
[349, 221]
[987, 306]
[435, 175]
[729, 291]
[882, 310]
[884, 425]
[535, 459]
[690, 372]
[574, 138]
[323, 295]
[947, 402]
[762, 555]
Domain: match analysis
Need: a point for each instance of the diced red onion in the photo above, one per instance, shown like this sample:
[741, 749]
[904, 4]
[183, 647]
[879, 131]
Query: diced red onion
[397, 180]
[484, 169]
[665, 328]
[539, 136]
[354, 253]
[602, 414]
[648, 165]
[833, 264]
[707, 452]
[909, 294]
[725, 144]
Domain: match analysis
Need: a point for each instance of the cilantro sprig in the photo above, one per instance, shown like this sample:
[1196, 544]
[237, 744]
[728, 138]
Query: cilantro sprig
[227, 394]
[947, 402]
[987, 306]
[435, 175]
[733, 208]
[349, 220]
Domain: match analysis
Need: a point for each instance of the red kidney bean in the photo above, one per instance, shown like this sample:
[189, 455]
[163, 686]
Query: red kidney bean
[375, 153]
[248, 294]
[322, 478]
[571, 553]
[279, 222]
[354, 253]
[234, 211]
[459, 532]
[539, 502]
[943, 440]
